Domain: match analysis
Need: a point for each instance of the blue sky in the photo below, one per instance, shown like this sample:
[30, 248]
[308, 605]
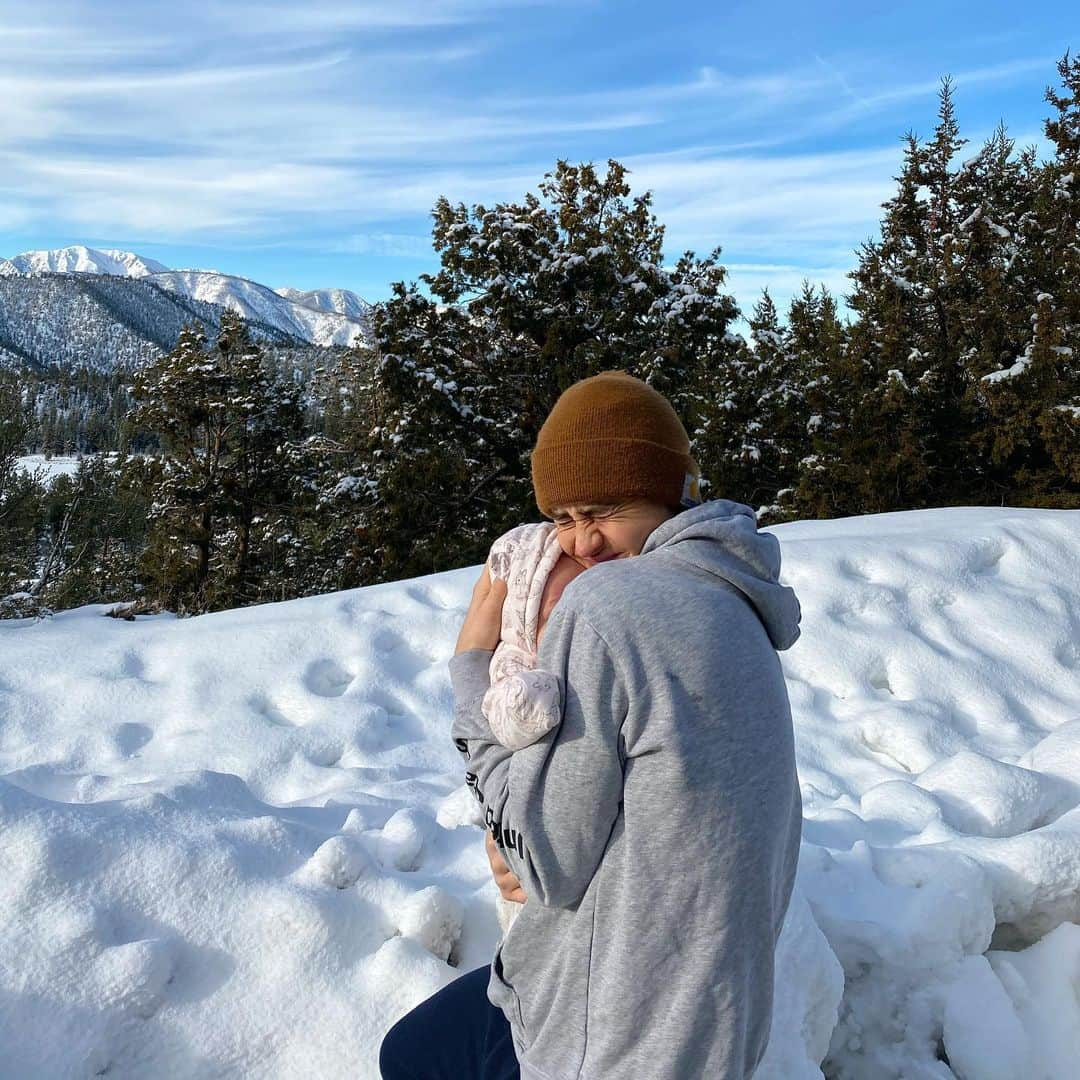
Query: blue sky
[304, 144]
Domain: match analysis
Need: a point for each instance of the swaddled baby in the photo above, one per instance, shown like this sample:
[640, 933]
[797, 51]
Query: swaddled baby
[524, 703]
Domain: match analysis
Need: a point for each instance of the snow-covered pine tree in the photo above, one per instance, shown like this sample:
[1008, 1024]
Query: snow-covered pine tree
[20, 507]
[864, 448]
[530, 297]
[747, 410]
[831, 383]
[96, 530]
[219, 493]
[1032, 392]
[781, 376]
[927, 299]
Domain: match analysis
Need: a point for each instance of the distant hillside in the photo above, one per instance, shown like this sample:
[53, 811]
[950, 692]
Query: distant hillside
[99, 321]
[342, 301]
[259, 303]
[319, 317]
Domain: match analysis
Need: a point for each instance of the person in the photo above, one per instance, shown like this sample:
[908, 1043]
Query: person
[654, 833]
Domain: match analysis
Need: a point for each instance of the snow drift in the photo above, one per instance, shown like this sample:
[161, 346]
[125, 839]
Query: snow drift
[238, 844]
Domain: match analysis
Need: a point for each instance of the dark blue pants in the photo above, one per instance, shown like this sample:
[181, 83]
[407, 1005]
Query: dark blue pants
[457, 1034]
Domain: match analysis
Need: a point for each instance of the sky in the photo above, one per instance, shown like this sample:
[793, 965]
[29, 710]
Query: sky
[305, 144]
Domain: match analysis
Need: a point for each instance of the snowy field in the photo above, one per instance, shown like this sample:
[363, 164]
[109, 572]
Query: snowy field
[237, 845]
[48, 468]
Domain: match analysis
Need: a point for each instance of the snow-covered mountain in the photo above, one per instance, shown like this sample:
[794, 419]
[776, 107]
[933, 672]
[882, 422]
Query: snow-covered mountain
[320, 326]
[320, 317]
[264, 806]
[342, 301]
[100, 320]
[86, 260]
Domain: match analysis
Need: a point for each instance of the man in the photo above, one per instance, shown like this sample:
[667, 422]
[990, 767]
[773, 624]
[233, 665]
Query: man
[654, 834]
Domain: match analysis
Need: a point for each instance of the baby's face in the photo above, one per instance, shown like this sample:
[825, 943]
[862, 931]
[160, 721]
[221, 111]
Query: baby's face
[562, 573]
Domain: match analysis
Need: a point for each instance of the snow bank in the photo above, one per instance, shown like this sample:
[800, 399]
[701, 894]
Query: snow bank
[238, 844]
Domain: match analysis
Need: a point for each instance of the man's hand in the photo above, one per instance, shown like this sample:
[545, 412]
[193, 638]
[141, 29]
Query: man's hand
[483, 622]
[504, 877]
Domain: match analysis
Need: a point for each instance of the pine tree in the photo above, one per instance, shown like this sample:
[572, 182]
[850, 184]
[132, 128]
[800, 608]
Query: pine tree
[530, 297]
[220, 489]
[20, 498]
[905, 383]
[1032, 392]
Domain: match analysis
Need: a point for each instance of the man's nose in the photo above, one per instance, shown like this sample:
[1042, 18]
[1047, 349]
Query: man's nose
[587, 540]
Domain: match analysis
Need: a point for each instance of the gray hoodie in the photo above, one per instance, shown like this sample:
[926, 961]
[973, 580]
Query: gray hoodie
[656, 830]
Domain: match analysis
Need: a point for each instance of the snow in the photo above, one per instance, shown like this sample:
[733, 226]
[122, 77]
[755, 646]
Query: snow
[971, 219]
[86, 260]
[1018, 367]
[48, 468]
[240, 845]
[320, 316]
[259, 303]
[339, 301]
[1017, 1014]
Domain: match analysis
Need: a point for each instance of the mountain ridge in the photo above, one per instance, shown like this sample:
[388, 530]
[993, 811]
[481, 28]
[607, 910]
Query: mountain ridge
[100, 321]
[323, 317]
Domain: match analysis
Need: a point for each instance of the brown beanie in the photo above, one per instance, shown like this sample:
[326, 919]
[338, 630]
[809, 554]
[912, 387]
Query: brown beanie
[610, 438]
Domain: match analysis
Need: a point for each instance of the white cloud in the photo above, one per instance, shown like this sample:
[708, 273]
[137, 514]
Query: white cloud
[402, 245]
[326, 17]
[277, 123]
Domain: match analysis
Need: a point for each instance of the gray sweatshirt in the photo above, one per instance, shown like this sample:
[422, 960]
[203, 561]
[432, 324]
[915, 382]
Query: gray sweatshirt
[656, 830]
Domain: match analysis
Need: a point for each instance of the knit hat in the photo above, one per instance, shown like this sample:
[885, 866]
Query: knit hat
[612, 438]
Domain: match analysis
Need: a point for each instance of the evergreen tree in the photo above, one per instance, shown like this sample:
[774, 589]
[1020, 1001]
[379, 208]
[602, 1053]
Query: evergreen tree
[530, 297]
[1032, 391]
[219, 488]
[929, 301]
[20, 496]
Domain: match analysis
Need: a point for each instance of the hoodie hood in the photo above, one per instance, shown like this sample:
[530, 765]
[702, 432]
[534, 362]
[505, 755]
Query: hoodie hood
[721, 538]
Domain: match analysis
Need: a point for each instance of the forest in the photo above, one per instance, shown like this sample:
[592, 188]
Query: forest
[230, 472]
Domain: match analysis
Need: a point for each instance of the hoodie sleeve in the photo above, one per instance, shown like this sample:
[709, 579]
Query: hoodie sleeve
[551, 805]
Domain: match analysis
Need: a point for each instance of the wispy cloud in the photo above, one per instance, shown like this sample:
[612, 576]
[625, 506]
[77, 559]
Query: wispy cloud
[397, 245]
[290, 17]
[335, 125]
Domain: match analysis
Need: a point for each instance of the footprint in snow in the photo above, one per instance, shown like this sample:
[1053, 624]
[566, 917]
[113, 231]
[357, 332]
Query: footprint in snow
[327, 678]
[131, 738]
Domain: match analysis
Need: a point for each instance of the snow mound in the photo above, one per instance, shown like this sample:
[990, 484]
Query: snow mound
[808, 985]
[432, 918]
[239, 844]
[984, 797]
[401, 841]
[338, 862]
[1015, 1015]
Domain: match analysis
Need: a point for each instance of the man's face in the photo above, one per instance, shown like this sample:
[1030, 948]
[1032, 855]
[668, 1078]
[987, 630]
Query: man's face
[595, 534]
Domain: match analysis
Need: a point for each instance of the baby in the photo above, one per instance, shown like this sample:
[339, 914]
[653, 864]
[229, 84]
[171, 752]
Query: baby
[524, 703]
